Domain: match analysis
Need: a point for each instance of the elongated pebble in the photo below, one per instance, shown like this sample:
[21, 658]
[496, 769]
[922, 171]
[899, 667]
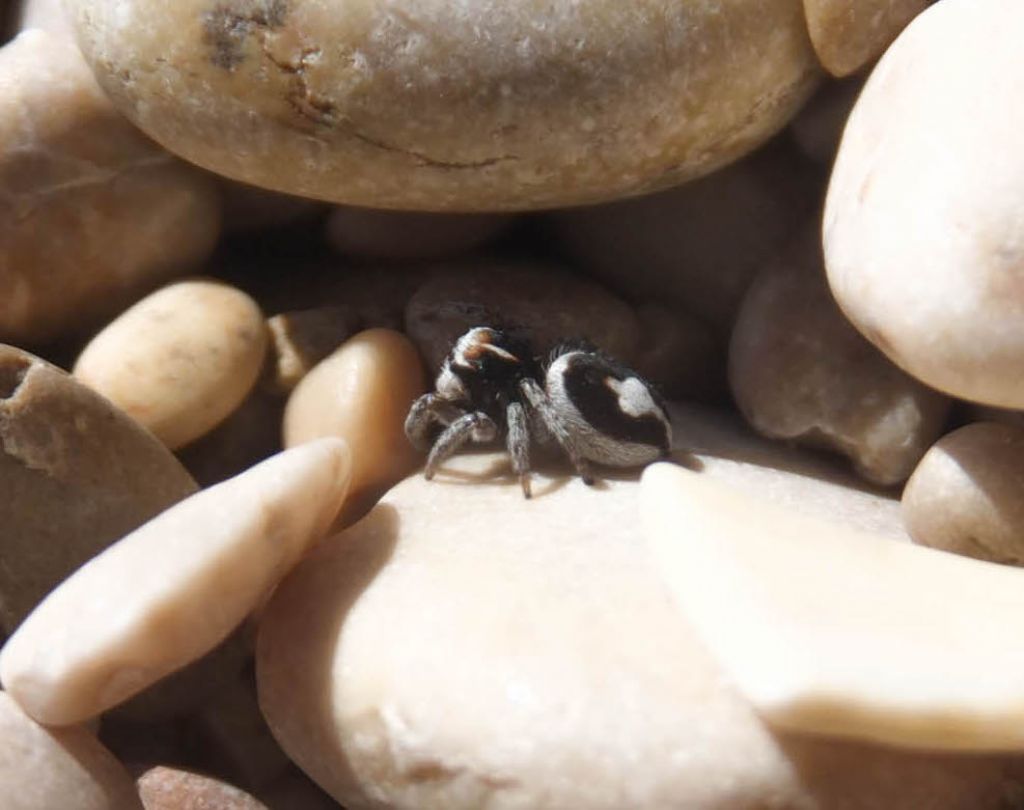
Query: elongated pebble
[828, 630]
[174, 588]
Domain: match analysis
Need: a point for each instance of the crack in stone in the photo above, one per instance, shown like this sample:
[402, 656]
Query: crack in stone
[229, 24]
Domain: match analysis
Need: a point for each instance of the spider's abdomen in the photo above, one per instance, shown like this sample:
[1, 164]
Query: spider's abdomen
[614, 415]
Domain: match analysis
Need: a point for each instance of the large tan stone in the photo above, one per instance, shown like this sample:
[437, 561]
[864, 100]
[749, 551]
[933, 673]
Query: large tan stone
[46, 769]
[922, 225]
[850, 34]
[174, 588]
[461, 647]
[93, 213]
[76, 474]
[463, 107]
[830, 630]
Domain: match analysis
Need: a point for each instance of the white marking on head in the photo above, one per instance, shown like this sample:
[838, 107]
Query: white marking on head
[473, 343]
[634, 397]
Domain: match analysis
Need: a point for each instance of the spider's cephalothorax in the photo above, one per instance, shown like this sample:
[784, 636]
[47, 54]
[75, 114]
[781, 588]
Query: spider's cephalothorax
[492, 385]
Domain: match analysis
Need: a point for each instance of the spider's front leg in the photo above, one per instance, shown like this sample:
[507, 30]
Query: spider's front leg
[426, 411]
[518, 441]
[542, 406]
[477, 426]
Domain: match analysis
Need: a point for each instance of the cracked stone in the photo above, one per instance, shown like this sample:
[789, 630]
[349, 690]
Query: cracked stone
[440, 106]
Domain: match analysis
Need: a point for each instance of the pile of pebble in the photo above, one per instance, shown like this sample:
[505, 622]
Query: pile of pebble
[240, 237]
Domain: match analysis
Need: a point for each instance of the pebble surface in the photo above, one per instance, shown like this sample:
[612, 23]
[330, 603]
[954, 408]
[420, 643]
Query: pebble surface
[179, 585]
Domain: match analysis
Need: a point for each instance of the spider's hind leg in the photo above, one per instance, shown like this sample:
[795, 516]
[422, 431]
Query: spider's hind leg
[475, 426]
[548, 414]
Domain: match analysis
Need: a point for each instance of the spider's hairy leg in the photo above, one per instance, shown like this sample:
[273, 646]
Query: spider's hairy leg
[518, 441]
[476, 426]
[541, 405]
[425, 412]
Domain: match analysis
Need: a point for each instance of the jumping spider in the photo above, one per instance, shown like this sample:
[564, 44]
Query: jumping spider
[491, 384]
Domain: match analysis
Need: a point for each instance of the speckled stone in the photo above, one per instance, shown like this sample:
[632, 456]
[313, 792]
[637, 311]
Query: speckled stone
[406, 664]
[164, 788]
[799, 370]
[461, 107]
[94, 213]
[46, 769]
[76, 475]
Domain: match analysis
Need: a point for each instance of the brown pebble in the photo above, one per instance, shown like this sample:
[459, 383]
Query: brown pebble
[76, 475]
[164, 788]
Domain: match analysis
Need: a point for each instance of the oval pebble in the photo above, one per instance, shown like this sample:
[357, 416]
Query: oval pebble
[461, 647]
[76, 475]
[362, 393]
[166, 788]
[95, 214]
[967, 494]
[181, 360]
[174, 588]
[45, 769]
[922, 220]
[430, 105]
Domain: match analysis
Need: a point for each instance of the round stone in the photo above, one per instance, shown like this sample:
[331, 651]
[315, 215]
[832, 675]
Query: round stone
[181, 360]
[967, 494]
[461, 647]
[95, 213]
[922, 223]
[849, 34]
[432, 105]
[165, 788]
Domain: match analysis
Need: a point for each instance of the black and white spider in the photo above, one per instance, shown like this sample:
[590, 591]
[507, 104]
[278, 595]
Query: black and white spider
[491, 384]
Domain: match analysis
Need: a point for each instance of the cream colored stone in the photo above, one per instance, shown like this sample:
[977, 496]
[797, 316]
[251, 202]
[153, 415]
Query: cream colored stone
[798, 370]
[362, 393]
[432, 105]
[93, 213]
[181, 360]
[392, 235]
[172, 589]
[76, 475]
[830, 630]
[461, 647]
[695, 247]
[48, 15]
[545, 301]
[967, 494]
[47, 769]
[850, 34]
[922, 224]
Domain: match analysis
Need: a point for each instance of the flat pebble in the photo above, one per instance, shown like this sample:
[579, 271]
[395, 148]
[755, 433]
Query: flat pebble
[430, 105]
[967, 494]
[413, 663]
[46, 769]
[547, 302]
[165, 788]
[174, 588]
[76, 475]
[95, 213]
[697, 246]
[850, 34]
[827, 629]
[397, 235]
[362, 393]
[180, 360]
[922, 233]
[799, 370]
